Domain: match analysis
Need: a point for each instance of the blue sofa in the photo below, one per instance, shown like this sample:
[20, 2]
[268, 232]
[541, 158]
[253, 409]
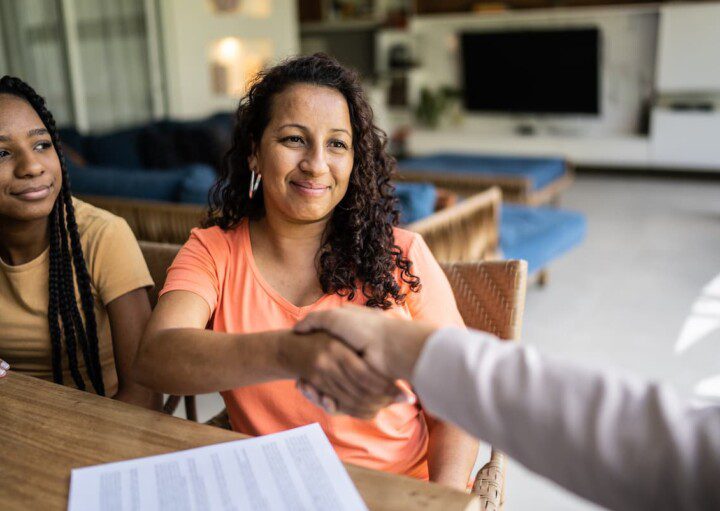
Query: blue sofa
[523, 179]
[539, 235]
[167, 160]
[187, 184]
[539, 171]
[162, 144]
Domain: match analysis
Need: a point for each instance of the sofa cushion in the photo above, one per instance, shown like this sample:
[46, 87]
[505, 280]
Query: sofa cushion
[415, 200]
[190, 183]
[540, 171]
[158, 148]
[539, 235]
[116, 149]
[71, 138]
[198, 180]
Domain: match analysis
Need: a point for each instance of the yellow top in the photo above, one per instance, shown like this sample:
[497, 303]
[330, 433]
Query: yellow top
[116, 267]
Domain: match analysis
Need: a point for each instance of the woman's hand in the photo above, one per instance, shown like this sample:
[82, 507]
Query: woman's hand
[4, 366]
[327, 367]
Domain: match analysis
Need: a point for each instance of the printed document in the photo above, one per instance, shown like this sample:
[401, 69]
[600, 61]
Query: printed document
[292, 470]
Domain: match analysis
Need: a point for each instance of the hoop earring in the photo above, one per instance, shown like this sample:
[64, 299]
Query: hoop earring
[254, 183]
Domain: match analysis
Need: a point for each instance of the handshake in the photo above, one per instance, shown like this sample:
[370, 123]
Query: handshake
[360, 354]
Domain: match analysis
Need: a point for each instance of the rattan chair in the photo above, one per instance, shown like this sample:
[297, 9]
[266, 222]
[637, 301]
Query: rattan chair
[164, 222]
[465, 232]
[514, 189]
[490, 296]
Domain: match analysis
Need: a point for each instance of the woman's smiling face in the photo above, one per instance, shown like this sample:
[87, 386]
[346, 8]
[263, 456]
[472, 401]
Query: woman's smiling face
[30, 175]
[305, 156]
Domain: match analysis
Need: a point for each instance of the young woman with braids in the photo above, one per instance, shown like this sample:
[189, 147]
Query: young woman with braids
[302, 219]
[73, 302]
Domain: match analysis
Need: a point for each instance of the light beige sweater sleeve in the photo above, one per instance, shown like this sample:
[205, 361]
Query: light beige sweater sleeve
[614, 439]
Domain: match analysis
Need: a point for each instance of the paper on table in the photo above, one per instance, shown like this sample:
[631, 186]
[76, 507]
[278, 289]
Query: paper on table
[295, 469]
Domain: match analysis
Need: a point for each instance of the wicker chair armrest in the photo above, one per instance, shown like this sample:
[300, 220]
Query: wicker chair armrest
[489, 483]
[467, 231]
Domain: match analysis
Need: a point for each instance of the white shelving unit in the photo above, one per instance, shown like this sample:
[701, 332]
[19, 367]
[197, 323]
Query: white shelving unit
[683, 38]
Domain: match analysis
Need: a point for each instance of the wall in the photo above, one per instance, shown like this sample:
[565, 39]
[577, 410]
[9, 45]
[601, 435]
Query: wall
[189, 27]
[689, 49]
[4, 66]
[629, 37]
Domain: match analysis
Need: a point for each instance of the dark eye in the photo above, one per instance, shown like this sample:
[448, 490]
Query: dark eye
[42, 146]
[3, 153]
[338, 144]
[293, 139]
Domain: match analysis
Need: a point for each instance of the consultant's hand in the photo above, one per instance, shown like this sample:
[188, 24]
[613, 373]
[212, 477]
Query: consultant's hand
[333, 369]
[4, 366]
[392, 346]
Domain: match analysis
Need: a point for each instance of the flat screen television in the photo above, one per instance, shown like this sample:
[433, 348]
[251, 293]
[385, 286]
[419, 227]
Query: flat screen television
[532, 71]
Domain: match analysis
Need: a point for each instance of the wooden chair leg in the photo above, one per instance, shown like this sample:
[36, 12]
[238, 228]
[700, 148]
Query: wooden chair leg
[171, 404]
[543, 278]
[190, 408]
[221, 420]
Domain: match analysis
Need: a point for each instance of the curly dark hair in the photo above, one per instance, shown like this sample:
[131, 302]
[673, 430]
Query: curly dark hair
[67, 267]
[359, 247]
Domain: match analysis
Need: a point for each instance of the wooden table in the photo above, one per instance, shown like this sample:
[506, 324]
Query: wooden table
[47, 429]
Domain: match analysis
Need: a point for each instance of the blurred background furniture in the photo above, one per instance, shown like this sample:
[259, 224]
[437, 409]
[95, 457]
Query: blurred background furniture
[466, 231]
[539, 235]
[475, 229]
[525, 180]
[463, 231]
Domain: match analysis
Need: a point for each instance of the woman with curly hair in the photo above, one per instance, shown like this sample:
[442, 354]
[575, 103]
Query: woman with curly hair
[73, 303]
[303, 219]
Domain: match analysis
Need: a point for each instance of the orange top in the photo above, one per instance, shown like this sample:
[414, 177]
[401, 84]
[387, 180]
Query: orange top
[219, 266]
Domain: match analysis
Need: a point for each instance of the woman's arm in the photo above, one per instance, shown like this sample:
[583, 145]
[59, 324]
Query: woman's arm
[451, 454]
[178, 355]
[128, 316]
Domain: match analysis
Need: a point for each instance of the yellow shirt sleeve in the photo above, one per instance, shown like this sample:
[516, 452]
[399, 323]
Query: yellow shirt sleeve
[114, 259]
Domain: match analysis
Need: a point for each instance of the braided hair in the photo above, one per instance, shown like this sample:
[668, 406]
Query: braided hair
[67, 267]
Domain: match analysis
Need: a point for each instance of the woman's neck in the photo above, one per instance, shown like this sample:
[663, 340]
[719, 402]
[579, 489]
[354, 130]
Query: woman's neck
[285, 240]
[21, 242]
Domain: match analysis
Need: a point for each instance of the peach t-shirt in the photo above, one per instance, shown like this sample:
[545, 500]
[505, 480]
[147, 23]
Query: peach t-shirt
[219, 266]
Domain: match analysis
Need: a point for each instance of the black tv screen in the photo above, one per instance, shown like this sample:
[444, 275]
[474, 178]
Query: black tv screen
[532, 71]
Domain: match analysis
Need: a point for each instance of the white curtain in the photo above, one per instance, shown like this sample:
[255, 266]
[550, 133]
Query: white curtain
[114, 59]
[32, 48]
[106, 39]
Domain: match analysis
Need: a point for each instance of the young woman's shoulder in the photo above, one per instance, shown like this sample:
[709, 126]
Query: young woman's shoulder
[96, 226]
[216, 239]
[112, 254]
[90, 218]
[406, 240]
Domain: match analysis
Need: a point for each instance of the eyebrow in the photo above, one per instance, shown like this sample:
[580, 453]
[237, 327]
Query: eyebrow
[305, 128]
[37, 132]
[32, 133]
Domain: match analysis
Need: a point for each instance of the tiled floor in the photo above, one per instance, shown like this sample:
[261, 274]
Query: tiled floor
[624, 297]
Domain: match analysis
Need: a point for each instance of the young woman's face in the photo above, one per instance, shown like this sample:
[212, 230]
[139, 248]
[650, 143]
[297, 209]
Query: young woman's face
[30, 175]
[305, 156]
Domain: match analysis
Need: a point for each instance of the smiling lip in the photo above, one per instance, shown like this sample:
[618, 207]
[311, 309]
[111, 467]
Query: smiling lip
[309, 188]
[34, 193]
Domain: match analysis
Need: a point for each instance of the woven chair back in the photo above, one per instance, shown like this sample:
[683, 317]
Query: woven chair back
[165, 222]
[490, 295]
[467, 231]
[159, 257]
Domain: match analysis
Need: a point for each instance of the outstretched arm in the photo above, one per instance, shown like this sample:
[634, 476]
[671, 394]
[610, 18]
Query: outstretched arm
[614, 439]
[179, 356]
